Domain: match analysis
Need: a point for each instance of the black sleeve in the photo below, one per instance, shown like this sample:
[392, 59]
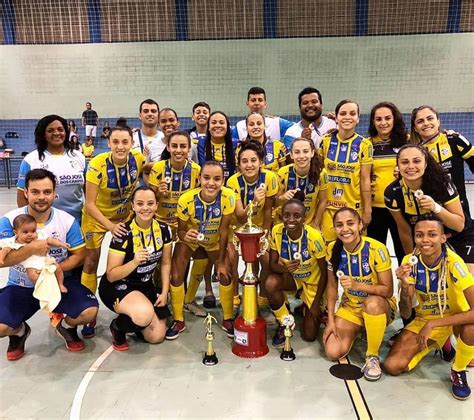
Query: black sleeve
[462, 146]
[165, 233]
[392, 196]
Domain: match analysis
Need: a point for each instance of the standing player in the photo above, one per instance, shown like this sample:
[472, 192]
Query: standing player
[306, 178]
[275, 127]
[387, 133]
[444, 290]
[203, 222]
[348, 162]
[110, 180]
[313, 124]
[362, 266]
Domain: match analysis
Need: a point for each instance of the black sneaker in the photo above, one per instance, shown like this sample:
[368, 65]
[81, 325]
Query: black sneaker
[70, 337]
[16, 347]
[119, 338]
[392, 339]
[279, 337]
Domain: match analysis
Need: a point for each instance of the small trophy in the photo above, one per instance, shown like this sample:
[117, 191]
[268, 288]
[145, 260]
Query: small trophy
[339, 273]
[287, 353]
[210, 358]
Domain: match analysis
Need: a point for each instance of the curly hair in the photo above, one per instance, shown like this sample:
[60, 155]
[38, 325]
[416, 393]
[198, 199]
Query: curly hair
[40, 134]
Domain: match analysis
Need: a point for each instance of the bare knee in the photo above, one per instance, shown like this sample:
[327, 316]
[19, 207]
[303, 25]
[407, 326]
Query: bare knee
[334, 351]
[92, 261]
[374, 305]
[143, 316]
[394, 365]
[272, 284]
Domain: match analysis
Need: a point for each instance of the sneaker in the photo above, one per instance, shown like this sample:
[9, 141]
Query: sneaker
[447, 352]
[195, 309]
[70, 337]
[175, 329]
[392, 339]
[55, 318]
[16, 347]
[278, 339]
[88, 330]
[460, 388]
[372, 370]
[228, 327]
[119, 338]
[209, 301]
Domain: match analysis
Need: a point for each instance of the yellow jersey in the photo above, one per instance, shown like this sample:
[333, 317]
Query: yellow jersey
[343, 160]
[290, 180]
[310, 246]
[87, 151]
[427, 289]
[116, 183]
[370, 257]
[385, 160]
[180, 182]
[206, 217]
[275, 155]
[245, 192]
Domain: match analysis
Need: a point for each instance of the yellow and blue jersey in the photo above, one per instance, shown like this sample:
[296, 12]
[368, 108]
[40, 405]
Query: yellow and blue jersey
[116, 182]
[206, 217]
[363, 265]
[290, 180]
[310, 246]
[343, 159]
[245, 192]
[427, 286]
[180, 182]
[275, 155]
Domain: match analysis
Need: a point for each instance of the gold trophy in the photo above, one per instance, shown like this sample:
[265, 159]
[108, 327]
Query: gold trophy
[210, 358]
[287, 354]
[250, 330]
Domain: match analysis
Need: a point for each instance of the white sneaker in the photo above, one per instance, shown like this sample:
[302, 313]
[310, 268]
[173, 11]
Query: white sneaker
[372, 370]
[195, 309]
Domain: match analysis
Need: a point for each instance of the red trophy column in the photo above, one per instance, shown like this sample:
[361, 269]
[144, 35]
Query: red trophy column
[250, 339]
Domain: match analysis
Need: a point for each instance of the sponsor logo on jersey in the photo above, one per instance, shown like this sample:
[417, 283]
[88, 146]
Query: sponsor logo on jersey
[337, 192]
[339, 179]
[382, 255]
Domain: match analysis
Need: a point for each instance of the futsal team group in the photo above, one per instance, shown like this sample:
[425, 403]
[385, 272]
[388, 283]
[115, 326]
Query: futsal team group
[325, 196]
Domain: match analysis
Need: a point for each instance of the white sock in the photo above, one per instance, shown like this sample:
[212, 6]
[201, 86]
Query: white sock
[21, 331]
[65, 324]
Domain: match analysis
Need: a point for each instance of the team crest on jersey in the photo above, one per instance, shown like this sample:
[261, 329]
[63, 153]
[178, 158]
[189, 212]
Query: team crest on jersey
[216, 212]
[366, 267]
[88, 235]
[305, 253]
[310, 188]
[269, 157]
[444, 151]
[354, 155]
[133, 173]
[186, 183]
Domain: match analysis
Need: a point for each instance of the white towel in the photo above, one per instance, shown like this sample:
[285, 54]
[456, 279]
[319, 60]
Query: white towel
[47, 288]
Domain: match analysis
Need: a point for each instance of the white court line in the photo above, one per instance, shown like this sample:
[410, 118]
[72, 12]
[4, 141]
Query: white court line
[81, 390]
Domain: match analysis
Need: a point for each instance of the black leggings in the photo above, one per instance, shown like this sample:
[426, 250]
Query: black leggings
[382, 222]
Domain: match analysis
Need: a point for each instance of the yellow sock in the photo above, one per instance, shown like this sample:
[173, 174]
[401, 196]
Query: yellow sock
[375, 327]
[90, 281]
[281, 312]
[464, 355]
[177, 302]
[419, 356]
[195, 278]
[226, 297]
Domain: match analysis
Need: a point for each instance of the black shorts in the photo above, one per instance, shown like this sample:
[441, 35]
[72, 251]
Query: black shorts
[463, 244]
[110, 292]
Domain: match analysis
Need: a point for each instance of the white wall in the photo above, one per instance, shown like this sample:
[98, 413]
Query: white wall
[408, 70]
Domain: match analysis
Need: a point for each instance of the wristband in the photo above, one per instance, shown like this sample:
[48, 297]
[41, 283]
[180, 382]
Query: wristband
[437, 208]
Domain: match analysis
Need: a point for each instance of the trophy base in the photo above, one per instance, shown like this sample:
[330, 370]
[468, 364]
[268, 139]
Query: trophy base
[250, 338]
[288, 355]
[210, 360]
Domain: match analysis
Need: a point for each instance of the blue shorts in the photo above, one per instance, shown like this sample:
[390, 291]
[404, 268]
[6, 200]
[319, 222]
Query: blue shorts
[17, 303]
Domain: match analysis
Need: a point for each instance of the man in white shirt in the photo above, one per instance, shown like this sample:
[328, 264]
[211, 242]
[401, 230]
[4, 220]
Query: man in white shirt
[275, 127]
[313, 125]
[149, 136]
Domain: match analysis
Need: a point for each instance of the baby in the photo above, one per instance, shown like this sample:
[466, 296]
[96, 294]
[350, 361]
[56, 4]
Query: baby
[24, 227]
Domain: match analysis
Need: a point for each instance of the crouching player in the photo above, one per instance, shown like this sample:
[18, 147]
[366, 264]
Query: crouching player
[297, 261]
[444, 290]
[362, 266]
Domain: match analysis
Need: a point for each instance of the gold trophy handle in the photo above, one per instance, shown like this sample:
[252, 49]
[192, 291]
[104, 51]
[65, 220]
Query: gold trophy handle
[264, 244]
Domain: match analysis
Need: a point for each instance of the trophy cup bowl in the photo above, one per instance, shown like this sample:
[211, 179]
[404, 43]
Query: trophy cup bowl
[250, 330]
